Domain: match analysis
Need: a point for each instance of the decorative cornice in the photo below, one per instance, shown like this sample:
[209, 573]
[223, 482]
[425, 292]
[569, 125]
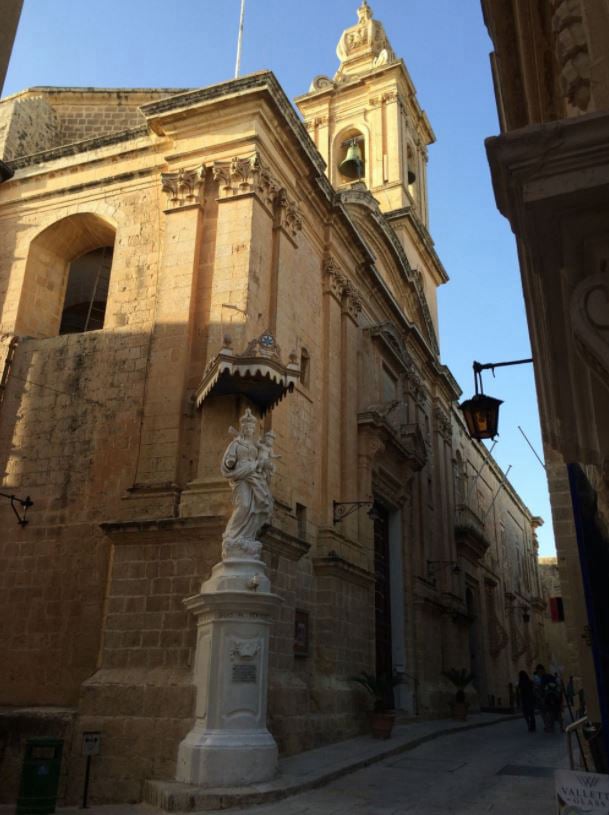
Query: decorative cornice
[183, 187]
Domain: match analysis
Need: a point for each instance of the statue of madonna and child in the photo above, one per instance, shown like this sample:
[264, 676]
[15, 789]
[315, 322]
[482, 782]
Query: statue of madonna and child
[248, 465]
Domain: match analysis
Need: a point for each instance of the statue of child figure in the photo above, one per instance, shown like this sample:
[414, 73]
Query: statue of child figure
[266, 456]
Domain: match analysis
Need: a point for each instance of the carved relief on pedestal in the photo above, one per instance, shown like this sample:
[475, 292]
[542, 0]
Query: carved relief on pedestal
[183, 187]
[590, 318]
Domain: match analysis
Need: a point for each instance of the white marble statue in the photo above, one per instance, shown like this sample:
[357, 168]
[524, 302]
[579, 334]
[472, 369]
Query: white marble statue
[248, 466]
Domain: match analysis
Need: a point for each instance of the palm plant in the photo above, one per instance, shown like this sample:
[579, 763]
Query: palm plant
[460, 678]
[379, 687]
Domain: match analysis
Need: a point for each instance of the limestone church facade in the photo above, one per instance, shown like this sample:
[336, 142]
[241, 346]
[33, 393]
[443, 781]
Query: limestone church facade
[168, 258]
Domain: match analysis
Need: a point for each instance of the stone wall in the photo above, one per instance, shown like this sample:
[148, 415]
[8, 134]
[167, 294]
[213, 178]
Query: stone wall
[41, 119]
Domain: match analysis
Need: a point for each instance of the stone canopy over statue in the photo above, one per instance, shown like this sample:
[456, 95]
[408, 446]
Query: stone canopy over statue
[248, 464]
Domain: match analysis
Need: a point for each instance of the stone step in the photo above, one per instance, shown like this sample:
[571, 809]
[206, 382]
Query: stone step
[310, 769]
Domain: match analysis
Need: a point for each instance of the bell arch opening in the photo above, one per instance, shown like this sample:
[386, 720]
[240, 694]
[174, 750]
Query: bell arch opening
[350, 156]
[67, 277]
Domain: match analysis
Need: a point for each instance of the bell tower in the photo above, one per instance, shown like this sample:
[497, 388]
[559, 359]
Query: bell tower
[367, 123]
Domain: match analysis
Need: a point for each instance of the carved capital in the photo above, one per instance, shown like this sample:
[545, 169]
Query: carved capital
[288, 214]
[241, 176]
[571, 47]
[351, 301]
[414, 386]
[250, 176]
[334, 281]
[443, 423]
[183, 187]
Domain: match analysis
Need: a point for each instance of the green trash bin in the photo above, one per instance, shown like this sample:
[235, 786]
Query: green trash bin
[40, 777]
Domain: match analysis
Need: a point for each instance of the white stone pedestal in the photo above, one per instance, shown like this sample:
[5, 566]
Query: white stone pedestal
[230, 746]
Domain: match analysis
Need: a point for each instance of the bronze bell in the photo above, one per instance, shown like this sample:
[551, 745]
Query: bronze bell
[352, 165]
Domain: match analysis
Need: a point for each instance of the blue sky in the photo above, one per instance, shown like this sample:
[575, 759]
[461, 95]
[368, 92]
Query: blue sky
[191, 43]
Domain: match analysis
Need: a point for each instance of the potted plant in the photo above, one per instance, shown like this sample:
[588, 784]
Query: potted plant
[380, 688]
[460, 679]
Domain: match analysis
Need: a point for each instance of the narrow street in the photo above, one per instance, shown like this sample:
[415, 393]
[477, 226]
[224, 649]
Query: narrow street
[502, 769]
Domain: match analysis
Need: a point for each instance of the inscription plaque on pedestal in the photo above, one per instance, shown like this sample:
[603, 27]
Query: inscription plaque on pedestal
[244, 672]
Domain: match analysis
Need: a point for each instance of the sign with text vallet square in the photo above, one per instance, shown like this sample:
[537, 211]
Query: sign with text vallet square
[580, 793]
[91, 743]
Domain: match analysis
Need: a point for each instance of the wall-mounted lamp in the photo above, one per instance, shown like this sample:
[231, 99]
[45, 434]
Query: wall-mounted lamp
[435, 566]
[481, 412]
[341, 509]
[24, 503]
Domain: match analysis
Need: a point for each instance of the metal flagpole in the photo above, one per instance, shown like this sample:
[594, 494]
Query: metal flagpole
[501, 485]
[240, 39]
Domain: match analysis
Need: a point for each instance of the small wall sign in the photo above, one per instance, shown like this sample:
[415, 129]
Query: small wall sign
[91, 743]
[244, 672]
[580, 792]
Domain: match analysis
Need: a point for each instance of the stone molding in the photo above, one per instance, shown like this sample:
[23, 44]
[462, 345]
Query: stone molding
[183, 187]
[277, 542]
[364, 197]
[333, 565]
[389, 337]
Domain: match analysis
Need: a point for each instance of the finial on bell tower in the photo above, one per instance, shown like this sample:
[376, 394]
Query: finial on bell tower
[364, 12]
[371, 132]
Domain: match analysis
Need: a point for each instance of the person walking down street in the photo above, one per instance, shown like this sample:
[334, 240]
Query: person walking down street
[527, 699]
[550, 699]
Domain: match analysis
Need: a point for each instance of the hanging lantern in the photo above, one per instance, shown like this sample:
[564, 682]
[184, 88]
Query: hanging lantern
[481, 414]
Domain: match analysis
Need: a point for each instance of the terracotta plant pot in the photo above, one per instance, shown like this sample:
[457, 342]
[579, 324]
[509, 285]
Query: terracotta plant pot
[382, 724]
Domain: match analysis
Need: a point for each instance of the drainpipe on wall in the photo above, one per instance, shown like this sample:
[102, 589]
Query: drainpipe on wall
[8, 361]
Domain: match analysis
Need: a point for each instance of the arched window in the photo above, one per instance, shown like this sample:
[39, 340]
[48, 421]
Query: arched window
[65, 286]
[84, 305]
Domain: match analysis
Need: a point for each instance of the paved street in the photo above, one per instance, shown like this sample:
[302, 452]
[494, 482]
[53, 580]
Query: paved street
[501, 769]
